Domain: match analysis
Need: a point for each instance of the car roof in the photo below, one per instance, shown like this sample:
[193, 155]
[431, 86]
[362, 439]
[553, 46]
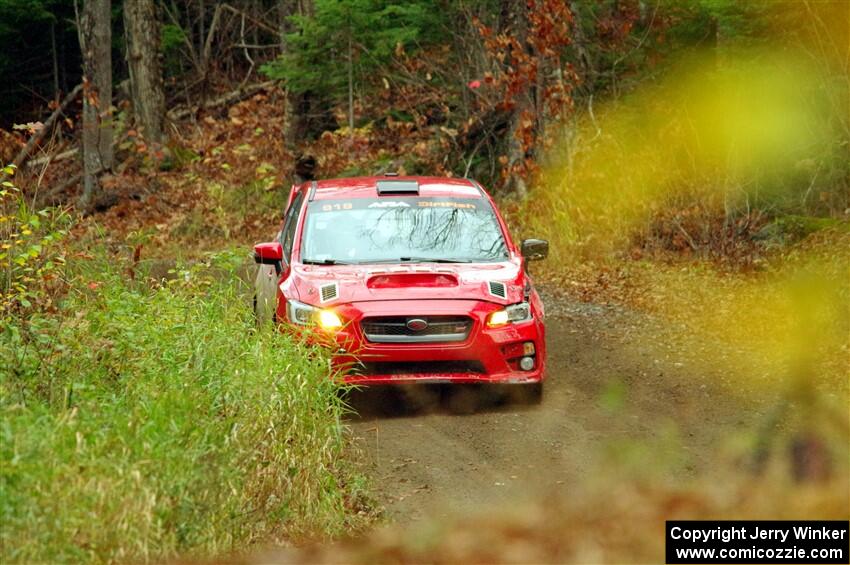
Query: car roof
[366, 187]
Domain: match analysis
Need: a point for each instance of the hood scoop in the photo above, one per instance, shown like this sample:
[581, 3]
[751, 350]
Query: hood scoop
[497, 289]
[328, 292]
[409, 280]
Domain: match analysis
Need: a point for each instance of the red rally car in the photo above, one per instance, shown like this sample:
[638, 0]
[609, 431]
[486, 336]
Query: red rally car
[410, 279]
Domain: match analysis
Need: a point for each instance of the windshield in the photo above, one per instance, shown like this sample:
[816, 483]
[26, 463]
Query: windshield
[399, 229]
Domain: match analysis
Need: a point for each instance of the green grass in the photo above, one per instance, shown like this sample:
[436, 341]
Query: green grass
[143, 421]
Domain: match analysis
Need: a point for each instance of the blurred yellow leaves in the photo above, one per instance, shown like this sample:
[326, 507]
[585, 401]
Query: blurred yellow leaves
[719, 138]
[756, 131]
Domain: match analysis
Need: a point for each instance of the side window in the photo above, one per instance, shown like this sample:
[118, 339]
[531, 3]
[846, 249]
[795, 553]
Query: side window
[289, 225]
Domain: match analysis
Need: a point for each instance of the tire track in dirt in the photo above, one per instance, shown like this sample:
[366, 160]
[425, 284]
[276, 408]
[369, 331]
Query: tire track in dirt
[620, 396]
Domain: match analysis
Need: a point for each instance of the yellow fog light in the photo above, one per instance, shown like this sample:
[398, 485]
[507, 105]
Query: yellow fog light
[498, 318]
[329, 320]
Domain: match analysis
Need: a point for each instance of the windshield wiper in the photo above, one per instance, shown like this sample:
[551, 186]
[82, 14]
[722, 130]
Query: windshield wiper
[431, 260]
[325, 262]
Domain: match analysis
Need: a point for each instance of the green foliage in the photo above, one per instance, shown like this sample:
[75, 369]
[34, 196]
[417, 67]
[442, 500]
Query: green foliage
[31, 256]
[791, 228]
[16, 12]
[172, 39]
[618, 46]
[142, 422]
[365, 31]
[741, 22]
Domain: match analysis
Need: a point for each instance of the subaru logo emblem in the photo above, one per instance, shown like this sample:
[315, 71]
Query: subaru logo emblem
[416, 324]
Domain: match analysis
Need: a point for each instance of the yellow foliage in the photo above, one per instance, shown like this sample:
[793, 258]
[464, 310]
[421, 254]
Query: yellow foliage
[754, 131]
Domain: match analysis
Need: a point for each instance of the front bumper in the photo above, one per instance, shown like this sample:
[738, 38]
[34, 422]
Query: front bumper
[487, 355]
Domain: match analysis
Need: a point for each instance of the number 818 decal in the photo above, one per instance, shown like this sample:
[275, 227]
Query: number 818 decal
[336, 206]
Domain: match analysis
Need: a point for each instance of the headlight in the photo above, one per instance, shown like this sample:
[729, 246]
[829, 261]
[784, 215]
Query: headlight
[514, 313]
[304, 315]
[329, 319]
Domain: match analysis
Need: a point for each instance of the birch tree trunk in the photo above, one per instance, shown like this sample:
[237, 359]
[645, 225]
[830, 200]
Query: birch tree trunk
[142, 28]
[96, 44]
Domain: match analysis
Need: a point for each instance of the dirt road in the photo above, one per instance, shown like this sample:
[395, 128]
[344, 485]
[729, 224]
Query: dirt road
[622, 399]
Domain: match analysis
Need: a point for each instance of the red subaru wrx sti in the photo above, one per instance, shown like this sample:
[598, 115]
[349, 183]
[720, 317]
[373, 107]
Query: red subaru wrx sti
[410, 279]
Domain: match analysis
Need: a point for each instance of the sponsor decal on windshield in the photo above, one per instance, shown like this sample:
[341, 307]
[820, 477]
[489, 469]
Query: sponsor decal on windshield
[445, 204]
[389, 204]
[382, 204]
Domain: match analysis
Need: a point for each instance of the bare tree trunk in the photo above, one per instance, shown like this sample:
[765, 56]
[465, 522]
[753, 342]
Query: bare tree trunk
[514, 183]
[586, 66]
[202, 34]
[55, 61]
[299, 106]
[257, 14]
[515, 18]
[96, 44]
[307, 7]
[283, 13]
[142, 27]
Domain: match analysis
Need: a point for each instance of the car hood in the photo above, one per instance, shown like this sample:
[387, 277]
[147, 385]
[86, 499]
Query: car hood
[326, 285]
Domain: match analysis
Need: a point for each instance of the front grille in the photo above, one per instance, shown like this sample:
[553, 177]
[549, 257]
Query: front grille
[416, 367]
[394, 329]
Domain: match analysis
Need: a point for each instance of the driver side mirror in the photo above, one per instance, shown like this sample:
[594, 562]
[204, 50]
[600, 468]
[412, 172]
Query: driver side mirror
[269, 254]
[534, 249]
